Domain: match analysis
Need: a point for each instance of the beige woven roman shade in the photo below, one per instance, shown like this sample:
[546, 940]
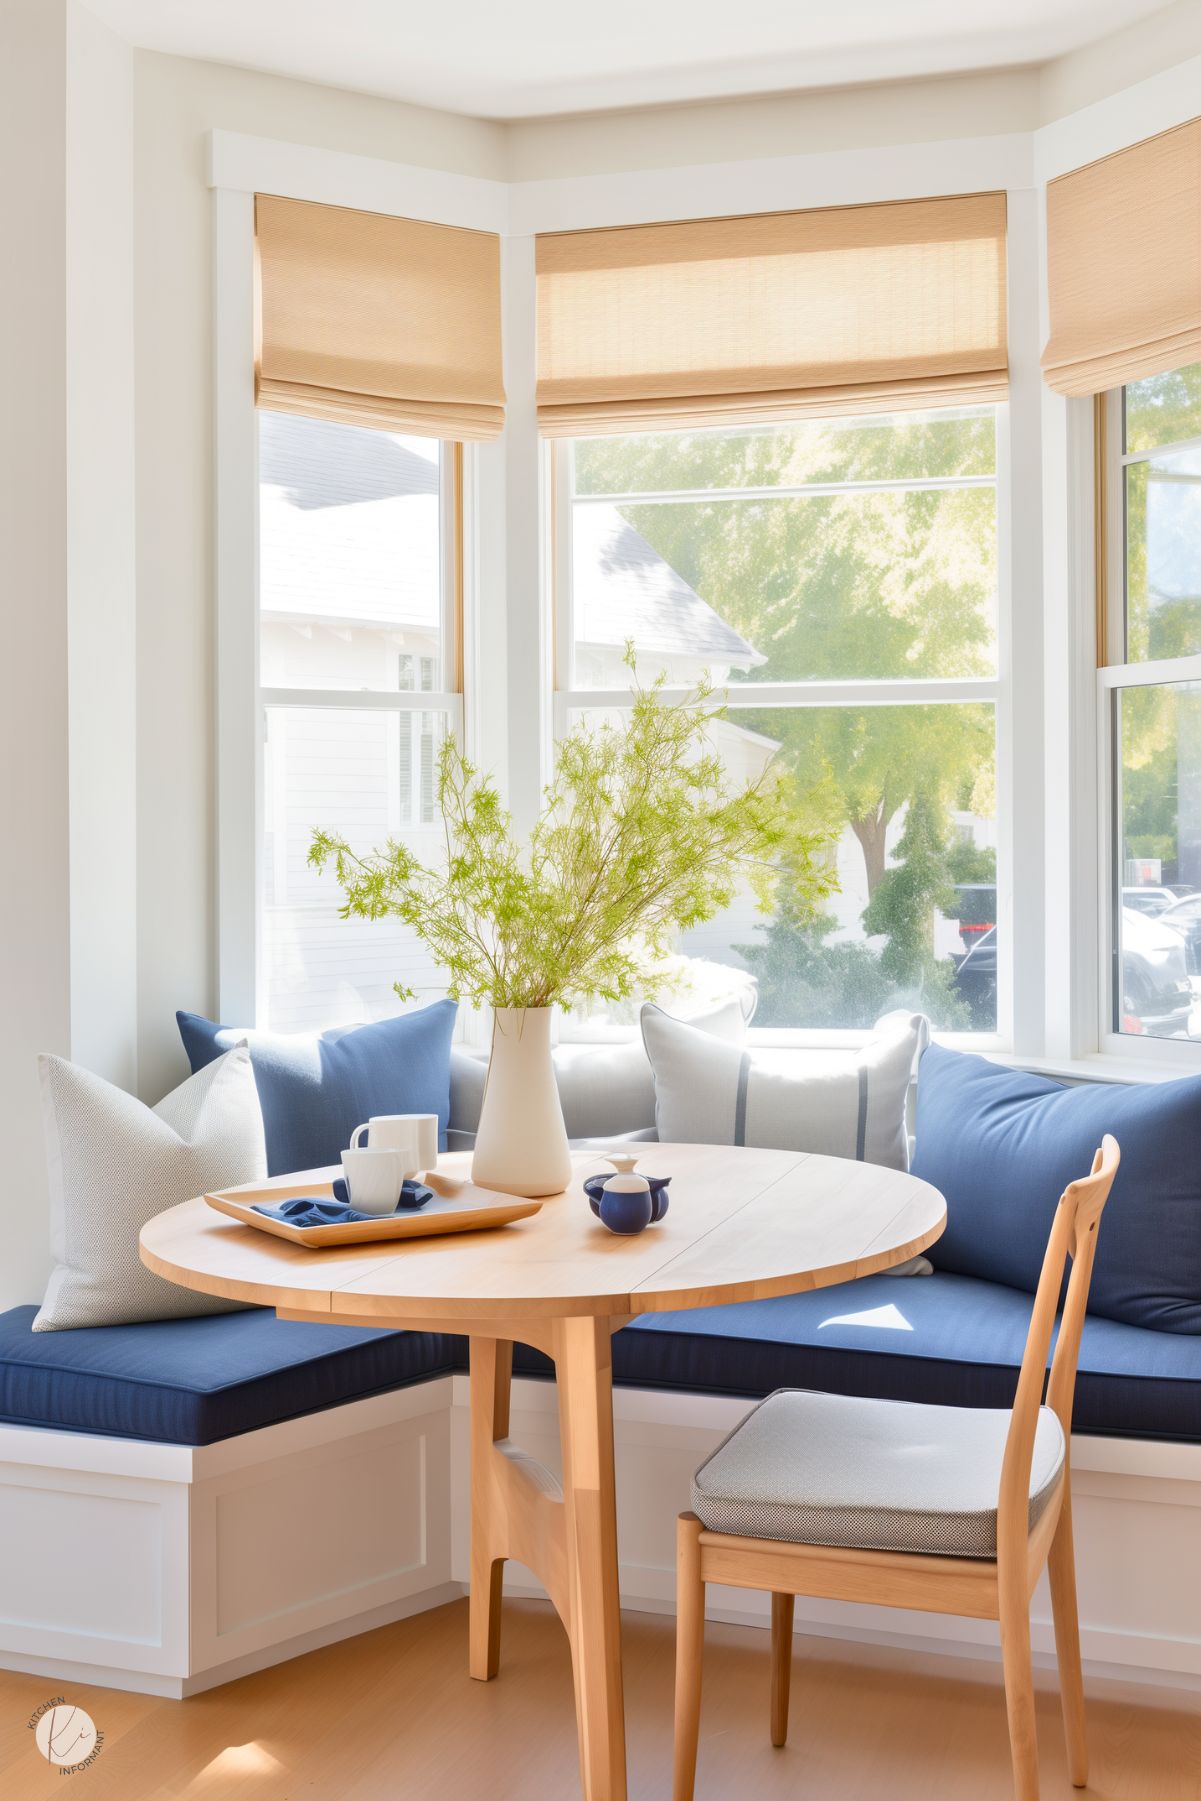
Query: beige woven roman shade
[372, 320]
[847, 309]
[1124, 265]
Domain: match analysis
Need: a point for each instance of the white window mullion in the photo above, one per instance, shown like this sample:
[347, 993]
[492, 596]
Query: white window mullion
[1145, 1012]
[563, 618]
[1152, 675]
[801, 491]
[239, 720]
[364, 700]
[747, 695]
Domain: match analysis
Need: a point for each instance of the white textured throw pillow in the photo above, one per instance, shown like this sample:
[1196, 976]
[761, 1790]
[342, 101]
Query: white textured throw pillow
[114, 1162]
[837, 1104]
[606, 1090]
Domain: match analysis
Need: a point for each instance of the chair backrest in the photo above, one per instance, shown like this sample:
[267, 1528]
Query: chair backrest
[1073, 1234]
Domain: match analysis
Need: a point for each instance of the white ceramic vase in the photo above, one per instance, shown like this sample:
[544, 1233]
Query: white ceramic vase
[521, 1145]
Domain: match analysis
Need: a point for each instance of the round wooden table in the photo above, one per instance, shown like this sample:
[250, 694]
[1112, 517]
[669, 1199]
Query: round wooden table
[743, 1224]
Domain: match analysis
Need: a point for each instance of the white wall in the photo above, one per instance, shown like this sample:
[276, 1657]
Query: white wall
[67, 921]
[1117, 61]
[34, 947]
[882, 113]
[101, 591]
[903, 112]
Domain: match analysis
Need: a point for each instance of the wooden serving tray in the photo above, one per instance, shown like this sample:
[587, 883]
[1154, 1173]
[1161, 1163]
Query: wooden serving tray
[457, 1206]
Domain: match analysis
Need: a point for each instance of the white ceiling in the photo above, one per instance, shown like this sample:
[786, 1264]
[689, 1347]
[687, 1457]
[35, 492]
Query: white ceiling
[509, 59]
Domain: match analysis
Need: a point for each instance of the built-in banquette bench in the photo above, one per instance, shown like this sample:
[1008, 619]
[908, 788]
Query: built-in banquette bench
[166, 1489]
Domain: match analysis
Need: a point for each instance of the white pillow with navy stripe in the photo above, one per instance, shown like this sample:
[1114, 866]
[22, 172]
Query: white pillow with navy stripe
[831, 1103]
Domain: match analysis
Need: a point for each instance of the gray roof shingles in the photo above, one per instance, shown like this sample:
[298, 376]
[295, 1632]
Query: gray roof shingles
[349, 531]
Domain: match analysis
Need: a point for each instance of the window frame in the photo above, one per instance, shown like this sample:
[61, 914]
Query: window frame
[238, 168]
[1114, 676]
[994, 690]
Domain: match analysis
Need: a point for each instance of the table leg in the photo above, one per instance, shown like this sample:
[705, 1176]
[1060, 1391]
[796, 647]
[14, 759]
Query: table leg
[583, 1361]
[491, 1380]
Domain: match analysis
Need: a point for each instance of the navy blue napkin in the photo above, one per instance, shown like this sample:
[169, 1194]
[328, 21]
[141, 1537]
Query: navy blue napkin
[312, 1210]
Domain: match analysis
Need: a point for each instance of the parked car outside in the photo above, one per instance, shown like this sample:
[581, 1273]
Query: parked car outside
[1148, 900]
[976, 911]
[1157, 996]
[1184, 916]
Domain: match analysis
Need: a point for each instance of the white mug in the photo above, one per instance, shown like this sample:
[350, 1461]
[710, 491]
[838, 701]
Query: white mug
[415, 1135]
[373, 1179]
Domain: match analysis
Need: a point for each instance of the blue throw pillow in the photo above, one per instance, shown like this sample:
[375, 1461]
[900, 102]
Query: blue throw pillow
[1001, 1146]
[315, 1089]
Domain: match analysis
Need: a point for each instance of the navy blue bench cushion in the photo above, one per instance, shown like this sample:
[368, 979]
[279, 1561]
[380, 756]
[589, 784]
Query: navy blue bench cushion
[944, 1338]
[193, 1381]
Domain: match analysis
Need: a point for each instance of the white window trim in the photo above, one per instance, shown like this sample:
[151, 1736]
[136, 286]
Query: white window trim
[240, 167]
[1174, 1056]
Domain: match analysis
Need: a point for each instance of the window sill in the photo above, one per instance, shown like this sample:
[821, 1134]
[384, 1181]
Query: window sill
[1097, 1068]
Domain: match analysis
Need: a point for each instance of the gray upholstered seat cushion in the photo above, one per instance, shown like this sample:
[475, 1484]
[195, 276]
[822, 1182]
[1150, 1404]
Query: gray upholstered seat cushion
[822, 1469]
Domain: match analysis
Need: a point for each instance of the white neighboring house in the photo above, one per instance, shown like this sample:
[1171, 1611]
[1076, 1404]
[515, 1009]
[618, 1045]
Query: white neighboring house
[350, 599]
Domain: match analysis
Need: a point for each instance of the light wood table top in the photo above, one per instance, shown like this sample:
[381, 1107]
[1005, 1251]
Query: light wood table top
[743, 1224]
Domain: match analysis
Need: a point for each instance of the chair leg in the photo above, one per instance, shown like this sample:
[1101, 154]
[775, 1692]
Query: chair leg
[1019, 1685]
[781, 1665]
[1061, 1568]
[690, 1644]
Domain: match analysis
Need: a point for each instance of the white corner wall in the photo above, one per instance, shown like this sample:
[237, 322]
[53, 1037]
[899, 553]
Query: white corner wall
[101, 578]
[34, 943]
[67, 916]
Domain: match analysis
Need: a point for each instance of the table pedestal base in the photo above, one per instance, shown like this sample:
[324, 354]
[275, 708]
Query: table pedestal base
[566, 1534]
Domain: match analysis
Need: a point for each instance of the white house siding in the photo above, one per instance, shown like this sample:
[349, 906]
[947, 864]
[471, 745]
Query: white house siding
[340, 769]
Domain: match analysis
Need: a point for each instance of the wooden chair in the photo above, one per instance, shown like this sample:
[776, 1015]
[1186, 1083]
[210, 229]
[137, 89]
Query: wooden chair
[945, 1509]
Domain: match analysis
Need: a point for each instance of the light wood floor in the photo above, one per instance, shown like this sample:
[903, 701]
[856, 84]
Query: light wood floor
[392, 1716]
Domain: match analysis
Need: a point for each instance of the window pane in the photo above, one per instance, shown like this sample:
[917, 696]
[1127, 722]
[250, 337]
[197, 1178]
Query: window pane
[369, 775]
[957, 441]
[914, 920]
[1163, 556]
[1159, 859]
[852, 586]
[1163, 409]
[350, 556]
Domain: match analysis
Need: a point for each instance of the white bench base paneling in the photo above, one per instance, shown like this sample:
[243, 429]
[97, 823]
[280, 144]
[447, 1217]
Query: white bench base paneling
[169, 1570]
[1136, 1509]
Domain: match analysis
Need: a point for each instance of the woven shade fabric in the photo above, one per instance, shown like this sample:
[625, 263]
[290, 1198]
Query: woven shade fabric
[372, 320]
[1124, 265]
[842, 310]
